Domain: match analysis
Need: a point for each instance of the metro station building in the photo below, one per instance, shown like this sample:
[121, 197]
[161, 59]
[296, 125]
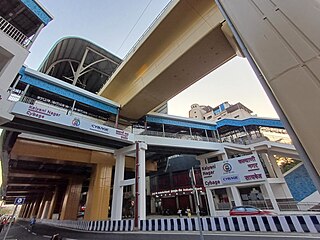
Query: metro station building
[65, 147]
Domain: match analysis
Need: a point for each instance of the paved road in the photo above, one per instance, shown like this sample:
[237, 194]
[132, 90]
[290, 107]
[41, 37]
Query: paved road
[19, 231]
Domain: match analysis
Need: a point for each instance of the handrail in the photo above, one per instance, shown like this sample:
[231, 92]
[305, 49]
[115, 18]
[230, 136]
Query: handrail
[14, 33]
[178, 136]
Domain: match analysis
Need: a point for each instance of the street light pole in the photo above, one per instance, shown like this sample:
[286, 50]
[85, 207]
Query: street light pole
[196, 196]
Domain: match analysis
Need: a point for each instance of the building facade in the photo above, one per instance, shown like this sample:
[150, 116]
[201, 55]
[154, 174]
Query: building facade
[224, 110]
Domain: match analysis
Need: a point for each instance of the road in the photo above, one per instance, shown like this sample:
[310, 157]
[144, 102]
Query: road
[19, 231]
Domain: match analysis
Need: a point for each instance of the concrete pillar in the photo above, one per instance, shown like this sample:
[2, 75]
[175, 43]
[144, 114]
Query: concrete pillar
[212, 209]
[52, 204]
[272, 197]
[35, 209]
[284, 42]
[236, 196]
[142, 181]
[42, 203]
[45, 210]
[25, 212]
[191, 203]
[117, 196]
[28, 215]
[275, 166]
[71, 199]
[22, 209]
[268, 165]
[99, 192]
[177, 202]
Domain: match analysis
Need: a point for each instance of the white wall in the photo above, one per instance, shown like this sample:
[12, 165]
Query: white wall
[15, 57]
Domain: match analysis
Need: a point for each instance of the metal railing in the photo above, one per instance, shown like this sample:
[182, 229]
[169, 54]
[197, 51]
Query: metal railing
[14, 33]
[178, 136]
[296, 206]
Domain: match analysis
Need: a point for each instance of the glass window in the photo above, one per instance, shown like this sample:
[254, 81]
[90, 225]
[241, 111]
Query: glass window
[239, 209]
[251, 209]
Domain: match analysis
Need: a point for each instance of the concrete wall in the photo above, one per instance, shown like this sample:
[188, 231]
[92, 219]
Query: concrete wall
[283, 37]
[12, 58]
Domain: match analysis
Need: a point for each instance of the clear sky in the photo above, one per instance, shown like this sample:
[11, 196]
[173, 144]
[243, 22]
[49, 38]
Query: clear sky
[117, 25]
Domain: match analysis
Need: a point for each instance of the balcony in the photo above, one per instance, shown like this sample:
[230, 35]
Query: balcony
[14, 33]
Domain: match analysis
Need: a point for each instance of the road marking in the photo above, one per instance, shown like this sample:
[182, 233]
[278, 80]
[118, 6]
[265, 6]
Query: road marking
[33, 233]
[46, 236]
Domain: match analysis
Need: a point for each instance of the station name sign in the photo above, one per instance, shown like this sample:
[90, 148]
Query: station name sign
[232, 171]
[55, 116]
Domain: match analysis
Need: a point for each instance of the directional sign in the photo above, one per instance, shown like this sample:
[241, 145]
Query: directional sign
[19, 200]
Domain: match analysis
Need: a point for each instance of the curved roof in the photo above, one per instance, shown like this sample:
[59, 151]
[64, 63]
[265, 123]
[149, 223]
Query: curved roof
[80, 62]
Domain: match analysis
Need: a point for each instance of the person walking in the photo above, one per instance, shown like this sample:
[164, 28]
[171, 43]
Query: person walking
[2, 225]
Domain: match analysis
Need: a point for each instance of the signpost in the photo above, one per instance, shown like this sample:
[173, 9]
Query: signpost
[17, 201]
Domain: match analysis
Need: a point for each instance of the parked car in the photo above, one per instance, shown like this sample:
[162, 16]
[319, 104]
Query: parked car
[249, 210]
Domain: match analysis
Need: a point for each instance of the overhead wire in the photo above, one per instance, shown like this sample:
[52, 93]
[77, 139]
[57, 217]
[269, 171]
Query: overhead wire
[144, 10]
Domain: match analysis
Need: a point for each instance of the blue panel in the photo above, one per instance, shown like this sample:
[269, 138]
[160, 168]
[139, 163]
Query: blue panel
[37, 10]
[300, 183]
[250, 121]
[221, 107]
[69, 94]
[179, 123]
[216, 111]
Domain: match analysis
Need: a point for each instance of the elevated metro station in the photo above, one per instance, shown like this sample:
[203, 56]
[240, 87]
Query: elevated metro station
[65, 147]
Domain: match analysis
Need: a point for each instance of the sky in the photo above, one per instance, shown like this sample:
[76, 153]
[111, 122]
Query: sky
[117, 25]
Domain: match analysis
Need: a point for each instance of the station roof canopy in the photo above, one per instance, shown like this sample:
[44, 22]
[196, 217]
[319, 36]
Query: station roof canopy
[80, 62]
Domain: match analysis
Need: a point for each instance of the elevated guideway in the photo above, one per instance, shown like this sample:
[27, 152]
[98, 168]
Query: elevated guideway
[185, 43]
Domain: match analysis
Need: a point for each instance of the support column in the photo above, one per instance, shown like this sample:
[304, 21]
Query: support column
[275, 166]
[141, 162]
[71, 200]
[177, 202]
[36, 206]
[41, 206]
[268, 165]
[25, 212]
[22, 210]
[272, 197]
[30, 209]
[212, 208]
[52, 204]
[117, 196]
[98, 197]
[45, 210]
[191, 203]
[236, 196]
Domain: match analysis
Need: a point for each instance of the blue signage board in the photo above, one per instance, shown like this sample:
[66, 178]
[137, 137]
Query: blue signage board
[19, 201]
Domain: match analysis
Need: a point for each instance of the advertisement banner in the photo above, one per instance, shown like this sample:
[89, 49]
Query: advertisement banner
[55, 116]
[233, 171]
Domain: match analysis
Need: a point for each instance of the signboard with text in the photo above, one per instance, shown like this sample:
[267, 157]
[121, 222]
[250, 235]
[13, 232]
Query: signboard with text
[232, 171]
[59, 116]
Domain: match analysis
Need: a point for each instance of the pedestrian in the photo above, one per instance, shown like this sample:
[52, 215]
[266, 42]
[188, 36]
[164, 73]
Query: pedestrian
[188, 213]
[180, 212]
[2, 224]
